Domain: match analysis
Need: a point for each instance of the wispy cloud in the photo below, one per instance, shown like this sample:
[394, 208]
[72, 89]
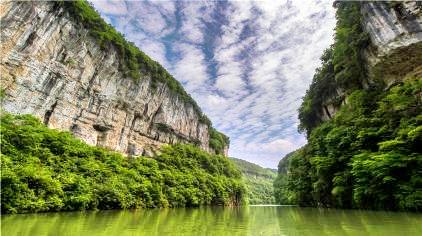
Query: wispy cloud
[191, 69]
[247, 63]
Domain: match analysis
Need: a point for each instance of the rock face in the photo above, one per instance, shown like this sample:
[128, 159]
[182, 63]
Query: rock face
[395, 30]
[395, 50]
[51, 68]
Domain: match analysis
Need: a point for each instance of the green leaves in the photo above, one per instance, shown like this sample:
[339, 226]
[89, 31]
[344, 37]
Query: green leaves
[218, 141]
[49, 170]
[380, 177]
[367, 156]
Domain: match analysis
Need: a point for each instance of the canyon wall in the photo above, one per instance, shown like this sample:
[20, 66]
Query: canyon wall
[395, 31]
[395, 48]
[52, 68]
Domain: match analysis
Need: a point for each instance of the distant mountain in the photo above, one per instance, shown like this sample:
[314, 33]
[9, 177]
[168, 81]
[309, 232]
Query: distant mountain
[259, 181]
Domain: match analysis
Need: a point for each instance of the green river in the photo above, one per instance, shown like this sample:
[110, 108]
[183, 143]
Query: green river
[252, 220]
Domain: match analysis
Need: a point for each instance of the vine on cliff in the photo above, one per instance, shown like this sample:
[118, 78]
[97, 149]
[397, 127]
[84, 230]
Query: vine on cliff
[218, 141]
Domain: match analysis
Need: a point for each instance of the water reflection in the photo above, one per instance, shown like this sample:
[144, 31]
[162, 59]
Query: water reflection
[216, 221]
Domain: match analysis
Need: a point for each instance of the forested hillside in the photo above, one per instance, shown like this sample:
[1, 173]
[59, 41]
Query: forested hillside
[258, 180]
[48, 170]
[368, 155]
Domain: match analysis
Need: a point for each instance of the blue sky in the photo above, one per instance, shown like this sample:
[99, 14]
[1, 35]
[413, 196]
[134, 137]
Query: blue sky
[246, 63]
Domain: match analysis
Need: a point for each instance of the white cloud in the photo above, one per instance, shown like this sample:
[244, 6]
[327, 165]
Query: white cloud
[191, 69]
[111, 7]
[247, 63]
[193, 15]
[154, 49]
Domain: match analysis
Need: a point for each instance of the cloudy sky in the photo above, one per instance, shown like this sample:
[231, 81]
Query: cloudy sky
[246, 63]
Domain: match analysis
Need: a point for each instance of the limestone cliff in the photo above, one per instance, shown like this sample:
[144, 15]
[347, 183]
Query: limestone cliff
[53, 68]
[395, 30]
[394, 51]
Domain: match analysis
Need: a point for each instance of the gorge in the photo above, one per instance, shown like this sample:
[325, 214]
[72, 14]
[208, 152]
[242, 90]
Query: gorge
[97, 138]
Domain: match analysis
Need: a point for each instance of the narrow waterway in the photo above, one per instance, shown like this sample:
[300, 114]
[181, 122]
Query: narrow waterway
[252, 220]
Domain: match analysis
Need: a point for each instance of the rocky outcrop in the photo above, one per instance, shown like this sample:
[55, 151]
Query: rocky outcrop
[395, 30]
[395, 49]
[52, 68]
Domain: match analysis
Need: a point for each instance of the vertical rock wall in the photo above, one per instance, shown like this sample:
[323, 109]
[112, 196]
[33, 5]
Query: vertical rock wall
[395, 30]
[395, 50]
[51, 68]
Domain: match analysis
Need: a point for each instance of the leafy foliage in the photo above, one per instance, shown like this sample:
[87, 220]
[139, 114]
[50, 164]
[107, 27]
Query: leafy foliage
[48, 170]
[282, 194]
[368, 156]
[218, 141]
[322, 88]
[350, 40]
[258, 181]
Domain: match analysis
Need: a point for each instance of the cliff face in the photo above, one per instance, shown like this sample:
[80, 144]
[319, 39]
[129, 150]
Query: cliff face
[395, 49]
[395, 30]
[52, 68]
[368, 155]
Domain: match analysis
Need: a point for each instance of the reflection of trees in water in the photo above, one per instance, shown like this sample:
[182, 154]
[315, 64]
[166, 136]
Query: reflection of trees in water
[314, 221]
[215, 221]
[183, 221]
[263, 221]
[203, 221]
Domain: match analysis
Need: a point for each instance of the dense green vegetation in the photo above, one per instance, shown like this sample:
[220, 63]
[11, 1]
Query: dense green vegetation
[281, 193]
[49, 170]
[218, 141]
[259, 182]
[369, 154]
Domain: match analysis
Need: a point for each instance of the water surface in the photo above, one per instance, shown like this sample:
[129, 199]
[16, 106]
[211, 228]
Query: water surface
[252, 220]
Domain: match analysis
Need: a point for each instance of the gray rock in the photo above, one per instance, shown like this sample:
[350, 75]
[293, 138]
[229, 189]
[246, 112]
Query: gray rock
[53, 69]
[395, 30]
